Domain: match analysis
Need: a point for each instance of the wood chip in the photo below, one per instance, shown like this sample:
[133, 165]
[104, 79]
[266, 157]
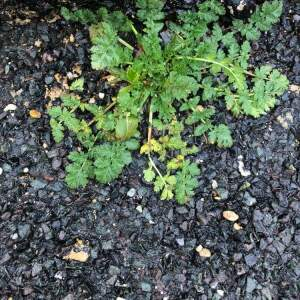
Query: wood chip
[78, 253]
[77, 69]
[35, 114]
[237, 226]
[58, 77]
[19, 21]
[294, 88]
[10, 107]
[54, 19]
[53, 93]
[230, 215]
[80, 256]
[38, 43]
[203, 252]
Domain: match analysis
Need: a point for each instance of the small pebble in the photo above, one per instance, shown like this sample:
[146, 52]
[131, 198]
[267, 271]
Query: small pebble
[237, 226]
[241, 167]
[251, 260]
[230, 215]
[214, 184]
[131, 192]
[146, 287]
[180, 242]
[203, 252]
[1, 171]
[249, 200]
[49, 79]
[139, 208]
[14, 236]
[101, 95]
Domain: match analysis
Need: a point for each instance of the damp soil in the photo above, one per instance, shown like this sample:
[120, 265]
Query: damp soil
[138, 246]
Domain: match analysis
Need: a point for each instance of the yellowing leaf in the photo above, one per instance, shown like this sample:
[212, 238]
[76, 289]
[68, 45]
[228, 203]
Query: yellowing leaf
[38, 43]
[230, 215]
[154, 146]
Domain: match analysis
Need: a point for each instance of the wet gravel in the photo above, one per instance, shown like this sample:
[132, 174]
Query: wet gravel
[140, 247]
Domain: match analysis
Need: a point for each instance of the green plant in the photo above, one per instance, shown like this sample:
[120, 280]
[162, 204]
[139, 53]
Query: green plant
[176, 85]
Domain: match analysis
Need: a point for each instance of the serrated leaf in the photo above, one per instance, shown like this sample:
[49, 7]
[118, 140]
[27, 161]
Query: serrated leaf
[70, 100]
[79, 170]
[149, 175]
[186, 182]
[221, 136]
[57, 130]
[55, 111]
[110, 159]
[77, 85]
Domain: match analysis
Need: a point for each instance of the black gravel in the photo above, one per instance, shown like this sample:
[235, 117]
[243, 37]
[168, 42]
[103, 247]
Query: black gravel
[140, 247]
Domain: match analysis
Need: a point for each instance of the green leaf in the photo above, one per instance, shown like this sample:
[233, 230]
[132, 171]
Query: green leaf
[132, 144]
[126, 128]
[57, 130]
[84, 16]
[77, 85]
[179, 86]
[221, 136]
[200, 114]
[70, 100]
[79, 170]
[186, 182]
[203, 128]
[108, 52]
[55, 111]
[70, 121]
[110, 159]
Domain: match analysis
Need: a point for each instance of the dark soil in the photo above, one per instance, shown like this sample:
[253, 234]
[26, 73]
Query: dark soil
[140, 247]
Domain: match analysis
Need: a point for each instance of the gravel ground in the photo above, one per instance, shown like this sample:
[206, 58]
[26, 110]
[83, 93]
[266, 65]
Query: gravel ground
[135, 246]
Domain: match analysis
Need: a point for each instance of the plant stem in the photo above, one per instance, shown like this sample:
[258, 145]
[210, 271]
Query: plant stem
[150, 125]
[150, 120]
[215, 63]
[110, 106]
[156, 169]
[134, 30]
[124, 43]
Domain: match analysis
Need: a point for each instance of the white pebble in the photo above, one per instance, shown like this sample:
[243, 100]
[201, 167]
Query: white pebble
[10, 107]
[1, 171]
[25, 170]
[241, 167]
[139, 208]
[14, 236]
[131, 192]
[214, 184]
[101, 95]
